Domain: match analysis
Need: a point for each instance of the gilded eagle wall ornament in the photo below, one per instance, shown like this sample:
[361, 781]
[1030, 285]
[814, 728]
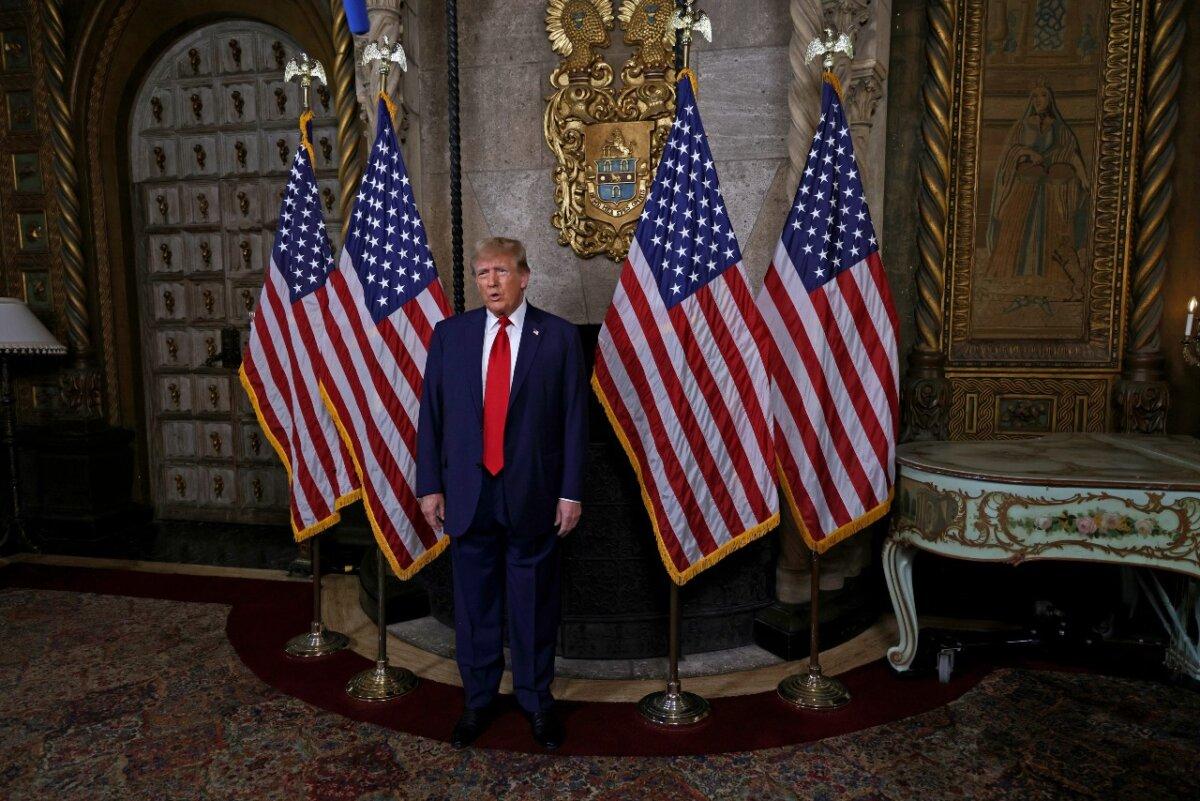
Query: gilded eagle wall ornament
[606, 139]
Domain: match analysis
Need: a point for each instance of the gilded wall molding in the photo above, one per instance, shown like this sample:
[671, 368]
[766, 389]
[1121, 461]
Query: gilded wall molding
[66, 177]
[1144, 396]
[933, 201]
[925, 411]
[1161, 114]
[99, 209]
[345, 100]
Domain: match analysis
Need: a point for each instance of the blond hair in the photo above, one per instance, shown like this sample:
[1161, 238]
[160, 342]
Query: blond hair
[501, 246]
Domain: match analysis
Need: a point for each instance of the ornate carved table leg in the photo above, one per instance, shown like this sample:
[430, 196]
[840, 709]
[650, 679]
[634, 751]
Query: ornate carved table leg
[897, 569]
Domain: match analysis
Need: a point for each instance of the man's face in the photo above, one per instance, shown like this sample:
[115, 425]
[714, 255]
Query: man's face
[500, 282]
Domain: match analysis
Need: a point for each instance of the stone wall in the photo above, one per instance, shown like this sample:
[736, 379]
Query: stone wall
[505, 63]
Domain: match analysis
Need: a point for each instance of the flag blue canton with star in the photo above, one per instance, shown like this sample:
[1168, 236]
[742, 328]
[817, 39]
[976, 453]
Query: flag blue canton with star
[829, 229]
[684, 231]
[302, 252]
[386, 241]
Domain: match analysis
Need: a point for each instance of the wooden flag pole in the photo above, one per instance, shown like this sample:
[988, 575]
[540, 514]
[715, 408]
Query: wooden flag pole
[382, 682]
[814, 690]
[673, 706]
[318, 641]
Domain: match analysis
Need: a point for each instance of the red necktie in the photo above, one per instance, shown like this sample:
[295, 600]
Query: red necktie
[495, 400]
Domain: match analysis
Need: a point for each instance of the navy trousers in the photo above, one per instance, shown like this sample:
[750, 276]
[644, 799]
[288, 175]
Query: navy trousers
[492, 563]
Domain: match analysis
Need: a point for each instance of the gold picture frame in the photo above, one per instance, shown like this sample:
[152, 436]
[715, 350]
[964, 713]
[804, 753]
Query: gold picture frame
[1043, 167]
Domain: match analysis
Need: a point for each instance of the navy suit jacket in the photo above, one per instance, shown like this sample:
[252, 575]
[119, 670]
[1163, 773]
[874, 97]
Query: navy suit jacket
[545, 433]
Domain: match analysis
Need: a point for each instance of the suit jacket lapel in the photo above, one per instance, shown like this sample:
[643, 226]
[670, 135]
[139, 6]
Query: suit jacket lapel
[531, 337]
[475, 360]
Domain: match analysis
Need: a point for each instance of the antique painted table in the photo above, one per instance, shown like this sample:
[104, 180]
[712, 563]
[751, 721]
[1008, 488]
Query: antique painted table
[1123, 499]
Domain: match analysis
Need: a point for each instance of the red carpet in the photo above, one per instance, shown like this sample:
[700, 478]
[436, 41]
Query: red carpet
[264, 614]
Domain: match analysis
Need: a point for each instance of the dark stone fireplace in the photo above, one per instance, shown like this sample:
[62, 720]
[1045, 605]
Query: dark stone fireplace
[615, 588]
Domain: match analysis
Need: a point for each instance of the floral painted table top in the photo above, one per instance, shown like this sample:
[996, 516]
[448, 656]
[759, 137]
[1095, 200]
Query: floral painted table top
[1088, 460]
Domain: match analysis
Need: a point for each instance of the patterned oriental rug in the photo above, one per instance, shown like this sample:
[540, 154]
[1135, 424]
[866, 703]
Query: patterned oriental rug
[123, 685]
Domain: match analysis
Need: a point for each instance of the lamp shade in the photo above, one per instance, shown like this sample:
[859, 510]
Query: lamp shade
[22, 332]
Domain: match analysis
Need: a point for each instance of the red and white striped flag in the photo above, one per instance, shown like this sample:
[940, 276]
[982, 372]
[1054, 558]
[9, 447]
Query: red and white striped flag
[384, 300]
[834, 375]
[680, 364]
[280, 366]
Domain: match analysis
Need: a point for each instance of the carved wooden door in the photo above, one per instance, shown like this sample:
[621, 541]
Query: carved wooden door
[214, 130]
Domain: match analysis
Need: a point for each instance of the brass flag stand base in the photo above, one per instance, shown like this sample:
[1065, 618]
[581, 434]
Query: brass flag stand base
[673, 706]
[382, 682]
[319, 641]
[814, 690]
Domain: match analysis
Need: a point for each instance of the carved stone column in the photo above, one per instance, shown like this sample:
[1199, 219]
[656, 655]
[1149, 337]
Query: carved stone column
[804, 97]
[925, 408]
[1143, 394]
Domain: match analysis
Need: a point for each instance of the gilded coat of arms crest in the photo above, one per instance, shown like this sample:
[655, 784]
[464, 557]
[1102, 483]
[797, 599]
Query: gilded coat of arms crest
[607, 138]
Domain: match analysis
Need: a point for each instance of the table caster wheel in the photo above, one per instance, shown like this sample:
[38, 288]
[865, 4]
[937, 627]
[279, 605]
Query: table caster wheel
[945, 665]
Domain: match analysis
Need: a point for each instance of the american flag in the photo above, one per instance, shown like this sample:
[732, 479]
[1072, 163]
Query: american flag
[281, 363]
[834, 376]
[384, 300]
[680, 364]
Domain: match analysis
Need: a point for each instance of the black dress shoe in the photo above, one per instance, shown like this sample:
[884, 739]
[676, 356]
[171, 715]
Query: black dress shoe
[469, 726]
[547, 730]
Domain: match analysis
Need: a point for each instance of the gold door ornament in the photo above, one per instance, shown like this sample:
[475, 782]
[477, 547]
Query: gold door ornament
[607, 139]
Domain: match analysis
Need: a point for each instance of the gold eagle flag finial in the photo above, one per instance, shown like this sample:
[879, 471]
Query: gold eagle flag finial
[384, 52]
[307, 70]
[687, 19]
[827, 46]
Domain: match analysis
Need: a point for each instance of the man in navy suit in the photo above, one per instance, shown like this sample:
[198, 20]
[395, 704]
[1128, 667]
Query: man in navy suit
[500, 454]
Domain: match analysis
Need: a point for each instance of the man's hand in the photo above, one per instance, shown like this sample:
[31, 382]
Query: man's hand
[567, 517]
[433, 506]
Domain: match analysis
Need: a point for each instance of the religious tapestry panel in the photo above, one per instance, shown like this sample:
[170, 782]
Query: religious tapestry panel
[1042, 180]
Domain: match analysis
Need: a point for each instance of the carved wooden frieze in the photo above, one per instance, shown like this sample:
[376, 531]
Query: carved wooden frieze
[1011, 406]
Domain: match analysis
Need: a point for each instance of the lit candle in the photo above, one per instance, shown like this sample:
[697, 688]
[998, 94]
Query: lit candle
[1191, 315]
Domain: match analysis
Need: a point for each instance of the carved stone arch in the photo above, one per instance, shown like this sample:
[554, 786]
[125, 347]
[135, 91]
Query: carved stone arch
[118, 40]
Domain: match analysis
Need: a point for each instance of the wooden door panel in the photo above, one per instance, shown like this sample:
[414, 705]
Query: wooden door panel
[215, 131]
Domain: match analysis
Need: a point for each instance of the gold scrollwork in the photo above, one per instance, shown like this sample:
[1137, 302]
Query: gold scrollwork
[606, 139]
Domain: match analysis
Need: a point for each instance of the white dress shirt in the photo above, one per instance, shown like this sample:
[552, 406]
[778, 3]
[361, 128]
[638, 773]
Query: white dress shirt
[492, 327]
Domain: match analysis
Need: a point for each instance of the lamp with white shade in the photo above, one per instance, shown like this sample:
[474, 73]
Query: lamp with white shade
[21, 334]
